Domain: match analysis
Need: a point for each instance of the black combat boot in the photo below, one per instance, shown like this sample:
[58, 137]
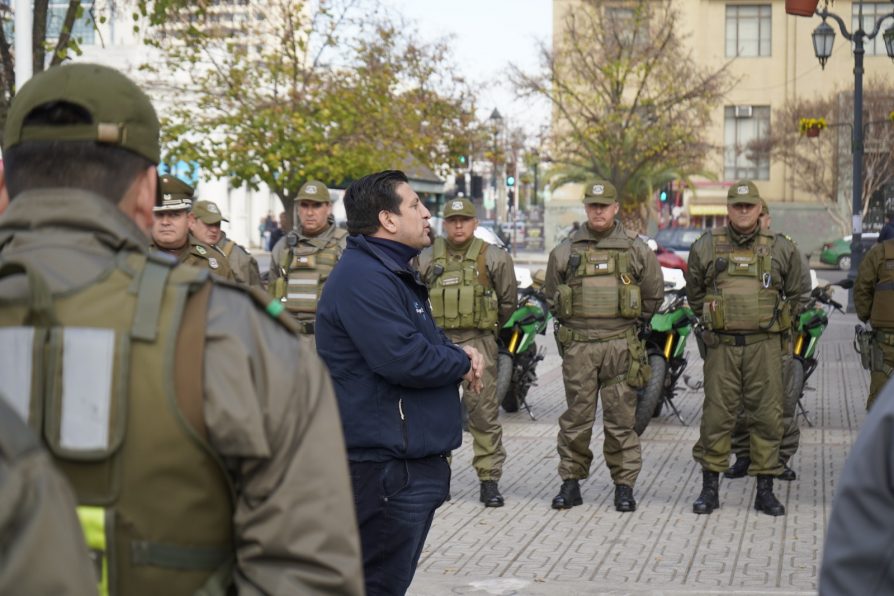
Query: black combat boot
[624, 501]
[738, 469]
[766, 501]
[569, 495]
[787, 473]
[490, 494]
[708, 500]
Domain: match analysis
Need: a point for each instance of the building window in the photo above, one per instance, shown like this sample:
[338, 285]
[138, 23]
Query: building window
[83, 30]
[630, 26]
[747, 30]
[871, 12]
[744, 130]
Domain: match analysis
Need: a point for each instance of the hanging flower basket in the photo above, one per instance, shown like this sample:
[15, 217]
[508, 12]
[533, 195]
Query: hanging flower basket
[801, 8]
[811, 127]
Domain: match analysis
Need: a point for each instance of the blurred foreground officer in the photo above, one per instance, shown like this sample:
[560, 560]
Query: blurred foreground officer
[600, 283]
[746, 284]
[301, 261]
[473, 292]
[233, 479]
[874, 302]
[791, 433]
[204, 224]
[43, 551]
[170, 231]
[857, 551]
[396, 377]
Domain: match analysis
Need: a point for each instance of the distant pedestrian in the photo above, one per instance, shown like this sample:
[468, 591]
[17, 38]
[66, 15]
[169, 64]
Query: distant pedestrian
[887, 232]
[396, 377]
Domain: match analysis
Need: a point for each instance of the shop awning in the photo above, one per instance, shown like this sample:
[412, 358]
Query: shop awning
[707, 209]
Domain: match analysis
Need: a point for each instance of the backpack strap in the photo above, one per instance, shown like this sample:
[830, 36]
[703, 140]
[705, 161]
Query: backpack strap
[150, 290]
[227, 248]
[483, 276]
[40, 300]
[189, 359]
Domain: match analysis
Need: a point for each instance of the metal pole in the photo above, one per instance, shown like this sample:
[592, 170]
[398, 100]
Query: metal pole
[24, 54]
[857, 192]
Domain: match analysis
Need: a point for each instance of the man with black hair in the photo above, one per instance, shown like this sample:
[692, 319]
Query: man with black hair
[396, 377]
[199, 435]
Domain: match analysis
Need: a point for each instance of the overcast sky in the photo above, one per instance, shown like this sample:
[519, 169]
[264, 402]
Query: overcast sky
[488, 35]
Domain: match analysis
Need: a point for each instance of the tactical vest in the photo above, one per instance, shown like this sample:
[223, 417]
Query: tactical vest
[308, 268]
[882, 314]
[743, 298]
[461, 294]
[109, 375]
[599, 283]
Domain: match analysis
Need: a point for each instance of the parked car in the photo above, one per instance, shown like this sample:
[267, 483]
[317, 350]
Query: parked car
[666, 257]
[839, 252]
[679, 240]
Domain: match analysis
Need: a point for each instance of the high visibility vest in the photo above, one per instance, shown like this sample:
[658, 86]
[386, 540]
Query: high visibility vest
[110, 376]
[460, 291]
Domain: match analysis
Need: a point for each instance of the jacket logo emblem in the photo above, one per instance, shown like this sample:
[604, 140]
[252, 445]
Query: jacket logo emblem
[213, 262]
[201, 250]
[419, 310]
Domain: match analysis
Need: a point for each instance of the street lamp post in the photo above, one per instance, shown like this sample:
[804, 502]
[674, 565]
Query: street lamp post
[823, 39]
[496, 121]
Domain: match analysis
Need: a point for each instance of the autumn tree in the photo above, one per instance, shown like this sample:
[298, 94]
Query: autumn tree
[821, 166]
[323, 90]
[630, 104]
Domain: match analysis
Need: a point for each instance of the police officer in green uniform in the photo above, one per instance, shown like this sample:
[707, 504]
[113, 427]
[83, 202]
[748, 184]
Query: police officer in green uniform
[600, 284]
[170, 232]
[301, 261]
[791, 433]
[200, 436]
[204, 224]
[746, 284]
[874, 302]
[473, 291]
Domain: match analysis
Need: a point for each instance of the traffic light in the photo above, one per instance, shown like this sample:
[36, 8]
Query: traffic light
[477, 186]
[510, 181]
[511, 198]
[461, 184]
[666, 192]
[663, 195]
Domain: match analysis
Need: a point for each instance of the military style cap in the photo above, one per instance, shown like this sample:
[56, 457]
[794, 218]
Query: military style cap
[765, 209]
[314, 190]
[743, 191]
[459, 207]
[121, 113]
[602, 192]
[176, 195]
[208, 212]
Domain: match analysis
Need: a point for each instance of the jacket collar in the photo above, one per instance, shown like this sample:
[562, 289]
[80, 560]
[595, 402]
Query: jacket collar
[360, 242]
[72, 209]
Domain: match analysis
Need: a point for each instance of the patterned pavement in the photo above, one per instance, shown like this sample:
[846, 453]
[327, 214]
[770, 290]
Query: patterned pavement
[527, 548]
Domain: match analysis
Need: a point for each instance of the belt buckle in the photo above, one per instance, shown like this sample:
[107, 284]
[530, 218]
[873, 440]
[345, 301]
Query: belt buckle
[740, 340]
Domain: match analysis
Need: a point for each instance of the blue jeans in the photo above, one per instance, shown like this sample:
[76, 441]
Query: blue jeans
[395, 503]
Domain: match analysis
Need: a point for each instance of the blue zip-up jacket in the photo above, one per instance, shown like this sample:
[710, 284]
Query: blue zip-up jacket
[396, 375]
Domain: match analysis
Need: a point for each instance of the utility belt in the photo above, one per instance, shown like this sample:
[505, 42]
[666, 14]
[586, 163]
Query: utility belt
[639, 370]
[883, 337]
[742, 339]
[868, 344]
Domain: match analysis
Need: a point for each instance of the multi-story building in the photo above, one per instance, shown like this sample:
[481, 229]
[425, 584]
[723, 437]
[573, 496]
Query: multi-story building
[771, 54]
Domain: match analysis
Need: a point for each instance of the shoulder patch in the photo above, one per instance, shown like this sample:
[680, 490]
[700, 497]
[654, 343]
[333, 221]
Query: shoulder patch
[201, 249]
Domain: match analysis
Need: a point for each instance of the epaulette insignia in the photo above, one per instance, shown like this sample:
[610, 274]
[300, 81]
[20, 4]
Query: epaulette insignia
[201, 250]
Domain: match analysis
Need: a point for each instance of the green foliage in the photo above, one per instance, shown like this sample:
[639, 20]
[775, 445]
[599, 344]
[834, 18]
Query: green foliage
[629, 103]
[324, 91]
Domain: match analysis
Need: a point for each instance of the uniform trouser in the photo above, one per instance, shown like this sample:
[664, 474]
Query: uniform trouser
[791, 432]
[483, 408]
[737, 376]
[878, 378]
[590, 368]
[395, 503]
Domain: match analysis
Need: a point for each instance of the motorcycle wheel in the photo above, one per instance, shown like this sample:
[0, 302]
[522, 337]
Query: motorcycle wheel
[649, 397]
[504, 378]
[794, 387]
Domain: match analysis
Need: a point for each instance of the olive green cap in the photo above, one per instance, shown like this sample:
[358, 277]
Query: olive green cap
[122, 114]
[765, 209]
[743, 191]
[602, 192]
[208, 212]
[459, 208]
[176, 195]
[314, 190]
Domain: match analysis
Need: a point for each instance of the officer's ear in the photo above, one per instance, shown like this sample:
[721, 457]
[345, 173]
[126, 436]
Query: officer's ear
[4, 192]
[139, 199]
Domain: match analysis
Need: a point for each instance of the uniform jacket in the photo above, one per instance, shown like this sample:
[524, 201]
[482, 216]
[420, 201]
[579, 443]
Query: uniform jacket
[867, 278]
[501, 273]
[244, 266]
[643, 264]
[857, 552]
[787, 274]
[396, 375]
[198, 254]
[269, 408]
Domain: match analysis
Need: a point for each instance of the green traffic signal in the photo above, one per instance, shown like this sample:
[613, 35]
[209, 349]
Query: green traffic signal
[510, 180]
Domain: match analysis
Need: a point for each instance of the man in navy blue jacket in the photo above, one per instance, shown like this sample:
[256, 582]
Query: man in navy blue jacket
[396, 377]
